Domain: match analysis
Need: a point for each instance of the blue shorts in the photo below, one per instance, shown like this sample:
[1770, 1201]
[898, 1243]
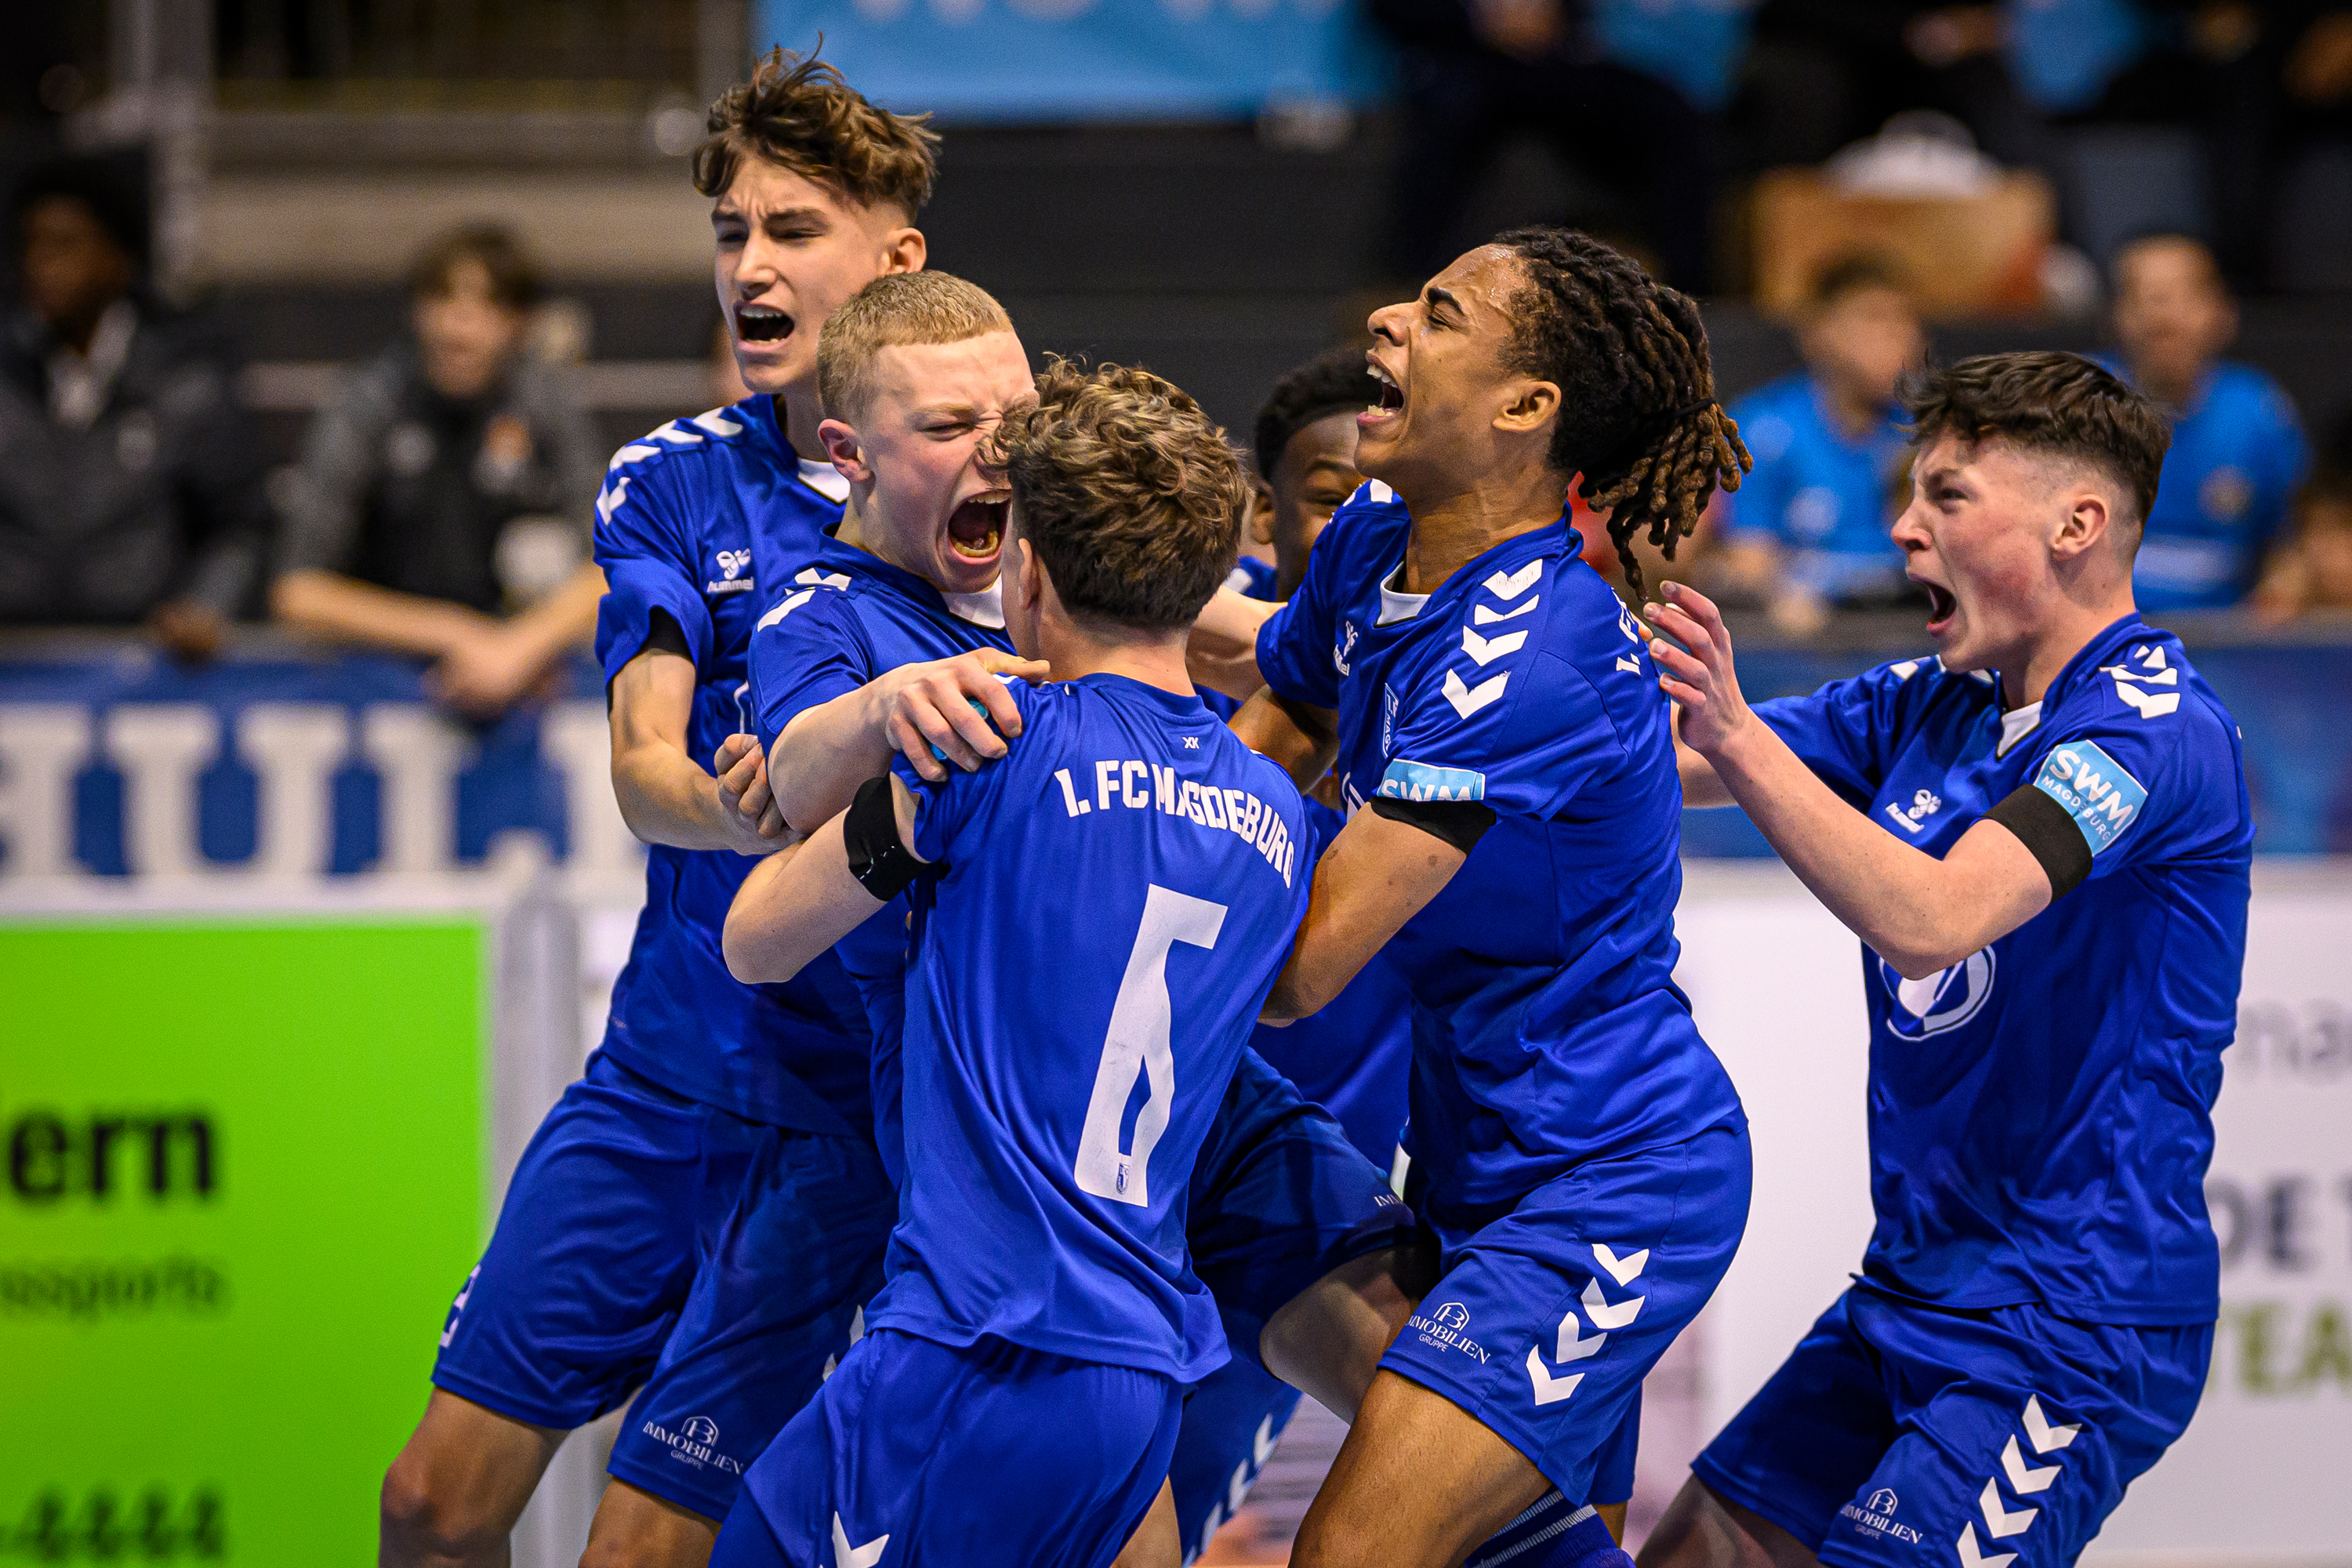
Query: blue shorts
[1232, 1418]
[1279, 1198]
[774, 1305]
[1900, 1433]
[622, 1189]
[967, 1455]
[1551, 1311]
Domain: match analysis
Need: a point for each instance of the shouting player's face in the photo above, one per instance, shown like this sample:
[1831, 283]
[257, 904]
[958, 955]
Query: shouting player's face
[790, 252]
[934, 507]
[1987, 528]
[1445, 395]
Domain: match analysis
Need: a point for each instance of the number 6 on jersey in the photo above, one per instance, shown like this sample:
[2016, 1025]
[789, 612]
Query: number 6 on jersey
[1137, 1042]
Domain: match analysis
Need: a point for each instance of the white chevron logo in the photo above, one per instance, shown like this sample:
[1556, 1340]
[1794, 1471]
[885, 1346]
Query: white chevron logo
[1262, 1445]
[1624, 1271]
[844, 1555]
[717, 423]
[1468, 700]
[786, 608]
[1511, 584]
[1998, 1523]
[2150, 704]
[1972, 1557]
[1550, 1390]
[1571, 1347]
[2045, 1436]
[609, 499]
[1487, 650]
[1605, 1316]
[630, 454]
[1483, 616]
[1623, 663]
[823, 579]
[2023, 1479]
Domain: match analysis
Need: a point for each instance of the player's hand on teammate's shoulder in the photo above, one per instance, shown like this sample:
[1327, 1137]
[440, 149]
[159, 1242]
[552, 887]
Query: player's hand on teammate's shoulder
[1699, 674]
[951, 711]
[752, 817]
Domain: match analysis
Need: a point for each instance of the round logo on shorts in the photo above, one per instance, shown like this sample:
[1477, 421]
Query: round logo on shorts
[1944, 1000]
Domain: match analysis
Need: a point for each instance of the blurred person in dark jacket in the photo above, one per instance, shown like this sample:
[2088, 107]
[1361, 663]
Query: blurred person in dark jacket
[442, 503]
[131, 485]
[1626, 90]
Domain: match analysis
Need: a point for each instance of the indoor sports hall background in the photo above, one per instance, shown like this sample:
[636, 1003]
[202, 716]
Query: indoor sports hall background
[299, 940]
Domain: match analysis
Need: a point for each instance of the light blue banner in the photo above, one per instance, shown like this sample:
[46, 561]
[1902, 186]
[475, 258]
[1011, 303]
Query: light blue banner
[1046, 61]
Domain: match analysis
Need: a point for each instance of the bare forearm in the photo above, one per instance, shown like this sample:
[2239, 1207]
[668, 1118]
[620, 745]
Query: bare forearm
[824, 753]
[332, 604]
[1300, 740]
[1222, 652]
[1919, 914]
[796, 904]
[1376, 876]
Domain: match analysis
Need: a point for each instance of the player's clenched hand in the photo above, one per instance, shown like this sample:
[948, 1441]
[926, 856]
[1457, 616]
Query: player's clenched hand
[1699, 675]
[956, 705]
[752, 817]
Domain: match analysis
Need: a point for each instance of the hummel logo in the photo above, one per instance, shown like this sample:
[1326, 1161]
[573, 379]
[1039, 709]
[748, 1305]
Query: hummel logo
[733, 561]
[1468, 700]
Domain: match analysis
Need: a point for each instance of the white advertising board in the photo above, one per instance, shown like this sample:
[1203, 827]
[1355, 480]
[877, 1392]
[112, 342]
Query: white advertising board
[2264, 1473]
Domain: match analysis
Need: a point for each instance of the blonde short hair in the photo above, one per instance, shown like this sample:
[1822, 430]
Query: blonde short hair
[895, 309]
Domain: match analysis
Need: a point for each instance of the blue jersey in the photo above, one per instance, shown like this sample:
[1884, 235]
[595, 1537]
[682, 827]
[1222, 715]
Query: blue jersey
[2238, 455]
[677, 523]
[1354, 1057]
[2040, 1113]
[1827, 498]
[1548, 1030]
[845, 617]
[1118, 896]
[849, 617]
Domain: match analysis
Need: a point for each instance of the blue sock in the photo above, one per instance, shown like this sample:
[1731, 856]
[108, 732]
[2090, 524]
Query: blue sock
[1552, 1534]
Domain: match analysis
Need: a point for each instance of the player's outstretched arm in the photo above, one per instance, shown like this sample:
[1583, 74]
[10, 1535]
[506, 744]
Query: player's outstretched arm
[1377, 875]
[665, 795]
[1299, 740]
[798, 902]
[826, 752]
[1919, 914]
[1222, 652]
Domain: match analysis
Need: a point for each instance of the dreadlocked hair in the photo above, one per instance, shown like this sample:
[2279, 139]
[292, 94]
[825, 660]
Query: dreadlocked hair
[1638, 415]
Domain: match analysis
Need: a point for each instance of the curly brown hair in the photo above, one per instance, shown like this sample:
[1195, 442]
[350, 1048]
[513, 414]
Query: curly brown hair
[1131, 496]
[1638, 415]
[2060, 404]
[797, 113]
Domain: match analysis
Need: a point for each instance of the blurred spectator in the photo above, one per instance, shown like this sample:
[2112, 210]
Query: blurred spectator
[442, 504]
[1808, 529]
[1626, 90]
[131, 485]
[2312, 571]
[1835, 70]
[2238, 450]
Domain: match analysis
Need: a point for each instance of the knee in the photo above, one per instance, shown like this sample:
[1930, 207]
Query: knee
[426, 1523]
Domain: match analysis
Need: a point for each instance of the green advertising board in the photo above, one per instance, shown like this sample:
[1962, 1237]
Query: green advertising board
[245, 1175]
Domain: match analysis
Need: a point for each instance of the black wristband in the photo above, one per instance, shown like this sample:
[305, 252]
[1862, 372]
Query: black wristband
[879, 858]
[1460, 823]
[2050, 835]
